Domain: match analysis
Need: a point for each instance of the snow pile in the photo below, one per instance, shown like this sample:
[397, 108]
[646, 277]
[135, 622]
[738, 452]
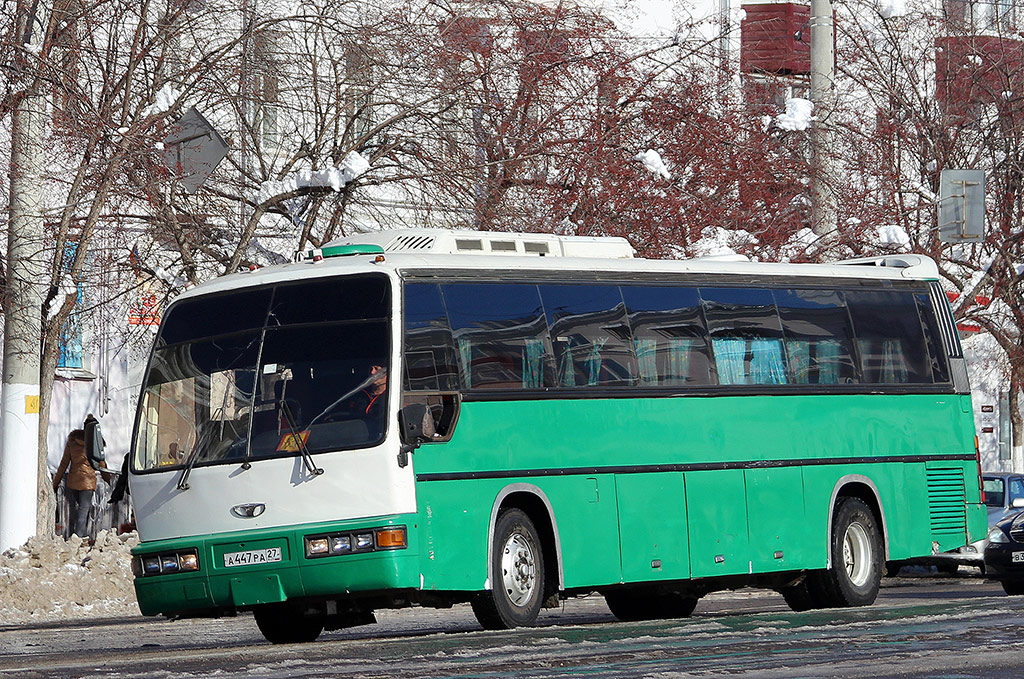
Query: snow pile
[892, 235]
[797, 116]
[336, 178]
[652, 160]
[49, 578]
[889, 9]
[165, 99]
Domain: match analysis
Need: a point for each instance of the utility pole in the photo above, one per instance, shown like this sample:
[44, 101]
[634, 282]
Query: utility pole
[22, 302]
[823, 71]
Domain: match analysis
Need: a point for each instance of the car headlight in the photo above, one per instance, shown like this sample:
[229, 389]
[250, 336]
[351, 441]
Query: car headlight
[997, 535]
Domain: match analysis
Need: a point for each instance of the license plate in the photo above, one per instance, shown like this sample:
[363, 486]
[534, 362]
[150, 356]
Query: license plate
[1018, 557]
[253, 556]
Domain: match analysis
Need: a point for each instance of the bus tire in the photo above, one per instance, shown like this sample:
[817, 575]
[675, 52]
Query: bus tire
[801, 596]
[517, 569]
[856, 556]
[284, 624]
[629, 605]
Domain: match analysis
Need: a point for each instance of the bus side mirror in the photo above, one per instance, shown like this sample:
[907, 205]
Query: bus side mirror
[413, 421]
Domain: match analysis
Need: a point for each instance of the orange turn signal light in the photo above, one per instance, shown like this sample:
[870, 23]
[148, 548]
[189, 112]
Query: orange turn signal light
[391, 537]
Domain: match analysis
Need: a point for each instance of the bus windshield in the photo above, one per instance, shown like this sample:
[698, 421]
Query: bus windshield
[264, 392]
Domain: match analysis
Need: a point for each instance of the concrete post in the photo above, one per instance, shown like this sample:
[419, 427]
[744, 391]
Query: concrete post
[19, 396]
[823, 69]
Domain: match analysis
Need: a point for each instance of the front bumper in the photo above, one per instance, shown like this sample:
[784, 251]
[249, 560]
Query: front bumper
[217, 588]
[999, 563]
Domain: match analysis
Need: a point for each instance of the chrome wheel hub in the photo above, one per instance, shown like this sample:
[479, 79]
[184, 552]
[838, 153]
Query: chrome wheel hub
[518, 570]
[857, 554]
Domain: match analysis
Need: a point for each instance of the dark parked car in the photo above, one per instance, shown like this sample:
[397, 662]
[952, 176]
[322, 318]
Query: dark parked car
[1004, 555]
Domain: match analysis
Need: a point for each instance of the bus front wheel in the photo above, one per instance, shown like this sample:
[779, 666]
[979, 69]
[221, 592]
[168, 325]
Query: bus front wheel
[517, 573]
[284, 624]
[856, 556]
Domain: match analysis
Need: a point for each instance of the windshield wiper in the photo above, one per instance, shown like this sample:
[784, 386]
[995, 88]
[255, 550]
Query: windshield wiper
[183, 481]
[307, 459]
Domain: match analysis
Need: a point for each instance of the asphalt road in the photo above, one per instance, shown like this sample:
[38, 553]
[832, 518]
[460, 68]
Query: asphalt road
[942, 627]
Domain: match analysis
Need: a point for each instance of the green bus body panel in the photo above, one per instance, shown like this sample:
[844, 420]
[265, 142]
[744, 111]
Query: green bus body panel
[654, 543]
[777, 521]
[717, 508]
[771, 513]
[635, 490]
[295, 576]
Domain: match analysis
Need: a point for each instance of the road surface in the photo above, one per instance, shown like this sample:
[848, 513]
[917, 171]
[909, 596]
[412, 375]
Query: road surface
[955, 627]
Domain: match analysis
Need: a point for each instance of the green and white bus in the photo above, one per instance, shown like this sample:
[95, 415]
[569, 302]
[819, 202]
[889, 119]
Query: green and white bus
[435, 417]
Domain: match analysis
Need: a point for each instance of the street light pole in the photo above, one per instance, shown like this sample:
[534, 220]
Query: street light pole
[823, 70]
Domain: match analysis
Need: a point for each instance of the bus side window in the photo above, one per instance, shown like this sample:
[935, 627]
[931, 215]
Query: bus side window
[589, 335]
[818, 336]
[669, 336]
[501, 335]
[890, 338]
[428, 350]
[746, 335]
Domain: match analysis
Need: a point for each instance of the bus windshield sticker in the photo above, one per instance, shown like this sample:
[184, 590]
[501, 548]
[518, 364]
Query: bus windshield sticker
[292, 443]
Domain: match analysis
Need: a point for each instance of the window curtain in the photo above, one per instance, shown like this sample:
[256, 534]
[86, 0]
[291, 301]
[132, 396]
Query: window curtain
[466, 358]
[647, 360]
[828, 361]
[766, 364]
[729, 356]
[593, 362]
[678, 360]
[798, 353]
[894, 364]
[533, 363]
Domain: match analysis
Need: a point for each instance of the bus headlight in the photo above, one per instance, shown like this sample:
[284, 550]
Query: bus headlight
[316, 546]
[376, 539]
[166, 563]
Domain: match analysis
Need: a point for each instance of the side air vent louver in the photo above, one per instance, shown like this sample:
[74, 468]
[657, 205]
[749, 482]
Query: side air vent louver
[947, 510]
[410, 243]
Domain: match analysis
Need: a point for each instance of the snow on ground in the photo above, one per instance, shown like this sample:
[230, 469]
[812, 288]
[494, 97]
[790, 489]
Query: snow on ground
[49, 578]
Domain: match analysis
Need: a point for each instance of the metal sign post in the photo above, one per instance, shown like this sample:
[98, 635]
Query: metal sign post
[193, 149]
[962, 206]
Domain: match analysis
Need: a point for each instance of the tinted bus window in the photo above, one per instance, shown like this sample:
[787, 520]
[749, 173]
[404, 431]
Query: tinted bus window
[429, 350]
[933, 340]
[669, 336]
[589, 335]
[217, 315]
[818, 337]
[500, 334]
[746, 337]
[890, 339]
[328, 300]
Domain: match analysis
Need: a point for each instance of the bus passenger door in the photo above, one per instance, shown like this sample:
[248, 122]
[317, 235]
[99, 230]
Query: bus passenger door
[652, 526]
[777, 527]
[716, 506]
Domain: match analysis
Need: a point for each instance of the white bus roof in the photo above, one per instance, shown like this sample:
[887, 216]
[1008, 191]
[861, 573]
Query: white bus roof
[495, 253]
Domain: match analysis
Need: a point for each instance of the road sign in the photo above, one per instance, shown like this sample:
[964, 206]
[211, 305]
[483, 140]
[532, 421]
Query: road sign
[962, 206]
[193, 149]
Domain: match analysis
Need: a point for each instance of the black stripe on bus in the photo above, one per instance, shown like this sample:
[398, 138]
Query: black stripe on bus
[689, 467]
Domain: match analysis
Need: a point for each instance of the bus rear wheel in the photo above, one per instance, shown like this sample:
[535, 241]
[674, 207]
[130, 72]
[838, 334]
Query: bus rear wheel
[517, 572]
[630, 604]
[284, 624]
[856, 555]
